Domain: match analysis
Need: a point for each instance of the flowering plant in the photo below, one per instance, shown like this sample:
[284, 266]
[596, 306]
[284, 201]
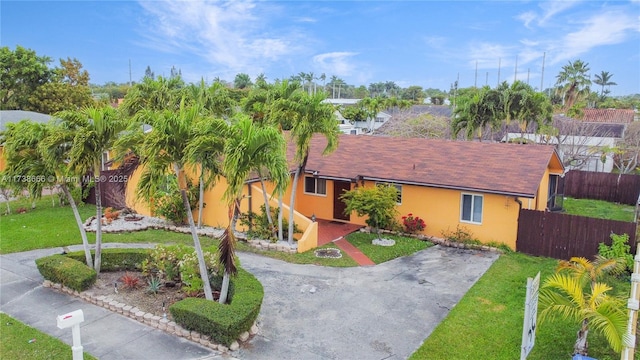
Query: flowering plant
[413, 224]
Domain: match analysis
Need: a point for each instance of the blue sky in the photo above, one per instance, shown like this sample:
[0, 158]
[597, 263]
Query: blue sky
[425, 43]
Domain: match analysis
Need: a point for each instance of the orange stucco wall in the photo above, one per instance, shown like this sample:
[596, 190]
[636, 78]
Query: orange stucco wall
[215, 212]
[440, 208]
[3, 164]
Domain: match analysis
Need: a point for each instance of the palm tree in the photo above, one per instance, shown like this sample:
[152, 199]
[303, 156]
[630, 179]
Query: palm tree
[312, 115]
[574, 292]
[573, 82]
[249, 146]
[215, 101]
[164, 148]
[274, 105]
[603, 79]
[153, 94]
[242, 81]
[475, 111]
[54, 149]
[97, 131]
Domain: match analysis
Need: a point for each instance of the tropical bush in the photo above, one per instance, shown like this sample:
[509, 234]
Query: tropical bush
[258, 227]
[619, 249]
[222, 322]
[168, 200]
[413, 224]
[66, 271]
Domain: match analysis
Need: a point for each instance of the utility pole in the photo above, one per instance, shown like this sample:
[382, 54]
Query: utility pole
[475, 81]
[544, 55]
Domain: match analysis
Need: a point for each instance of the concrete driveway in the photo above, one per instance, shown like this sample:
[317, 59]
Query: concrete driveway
[309, 312]
[378, 312]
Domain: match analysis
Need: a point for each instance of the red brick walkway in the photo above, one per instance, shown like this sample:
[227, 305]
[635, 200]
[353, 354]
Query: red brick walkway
[333, 231]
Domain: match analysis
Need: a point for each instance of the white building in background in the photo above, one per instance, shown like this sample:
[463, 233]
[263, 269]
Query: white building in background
[357, 127]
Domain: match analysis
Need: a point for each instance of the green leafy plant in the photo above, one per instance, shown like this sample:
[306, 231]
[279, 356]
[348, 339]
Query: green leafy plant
[153, 285]
[192, 283]
[413, 224]
[619, 249]
[377, 203]
[168, 200]
[461, 234]
[258, 224]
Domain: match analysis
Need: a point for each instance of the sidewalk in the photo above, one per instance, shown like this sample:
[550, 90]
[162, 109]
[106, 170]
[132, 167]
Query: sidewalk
[105, 335]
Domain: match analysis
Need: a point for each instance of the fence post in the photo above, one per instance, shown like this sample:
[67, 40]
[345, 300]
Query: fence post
[633, 304]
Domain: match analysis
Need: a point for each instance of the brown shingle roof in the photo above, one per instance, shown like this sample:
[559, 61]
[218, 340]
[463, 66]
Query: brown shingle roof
[509, 169]
[619, 116]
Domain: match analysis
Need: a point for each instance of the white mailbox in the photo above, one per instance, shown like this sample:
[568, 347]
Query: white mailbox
[70, 319]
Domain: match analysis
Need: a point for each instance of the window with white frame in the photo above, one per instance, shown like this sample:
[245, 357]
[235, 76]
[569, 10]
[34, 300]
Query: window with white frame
[314, 185]
[471, 208]
[398, 187]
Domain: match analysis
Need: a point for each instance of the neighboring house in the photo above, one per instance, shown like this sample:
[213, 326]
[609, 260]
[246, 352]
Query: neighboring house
[579, 143]
[14, 116]
[615, 116]
[479, 186]
[357, 127]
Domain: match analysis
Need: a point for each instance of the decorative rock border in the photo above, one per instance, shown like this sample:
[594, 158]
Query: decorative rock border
[267, 245]
[158, 224]
[155, 321]
[439, 241]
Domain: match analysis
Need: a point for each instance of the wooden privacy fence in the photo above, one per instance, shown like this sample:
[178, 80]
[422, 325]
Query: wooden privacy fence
[602, 186]
[562, 236]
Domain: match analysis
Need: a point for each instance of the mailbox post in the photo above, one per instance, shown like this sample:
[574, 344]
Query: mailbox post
[72, 320]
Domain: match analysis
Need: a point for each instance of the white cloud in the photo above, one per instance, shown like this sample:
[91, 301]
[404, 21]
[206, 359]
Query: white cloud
[489, 55]
[337, 63]
[231, 36]
[549, 9]
[602, 29]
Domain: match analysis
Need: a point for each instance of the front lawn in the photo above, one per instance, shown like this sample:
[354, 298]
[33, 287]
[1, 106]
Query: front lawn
[487, 322]
[19, 341]
[599, 209]
[378, 254]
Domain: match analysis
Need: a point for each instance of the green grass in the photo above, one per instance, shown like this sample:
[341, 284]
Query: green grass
[379, 254]
[20, 341]
[599, 209]
[487, 322]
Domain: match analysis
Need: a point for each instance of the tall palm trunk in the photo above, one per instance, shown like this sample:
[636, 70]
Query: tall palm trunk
[76, 214]
[98, 258]
[280, 219]
[267, 208]
[201, 197]
[292, 202]
[226, 250]
[581, 344]
[202, 266]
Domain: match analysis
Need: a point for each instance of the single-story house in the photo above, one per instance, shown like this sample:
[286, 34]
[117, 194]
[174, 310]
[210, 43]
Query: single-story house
[450, 184]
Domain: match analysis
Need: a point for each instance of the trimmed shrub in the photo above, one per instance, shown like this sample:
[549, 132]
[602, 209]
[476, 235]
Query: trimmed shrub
[68, 272]
[223, 322]
[117, 259]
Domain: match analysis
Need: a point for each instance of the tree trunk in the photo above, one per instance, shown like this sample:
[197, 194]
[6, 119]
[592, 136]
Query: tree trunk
[76, 214]
[267, 208]
[98, 255]
[224, 289]
[202, 266]
[292, 203]
[201, 198]
[280, 215]
[581, 344]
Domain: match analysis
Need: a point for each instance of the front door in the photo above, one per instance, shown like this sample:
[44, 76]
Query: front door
[339, 187]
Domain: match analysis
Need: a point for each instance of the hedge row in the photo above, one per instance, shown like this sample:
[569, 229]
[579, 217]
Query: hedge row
[223, 322]
[66, 271]
[116, 259]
